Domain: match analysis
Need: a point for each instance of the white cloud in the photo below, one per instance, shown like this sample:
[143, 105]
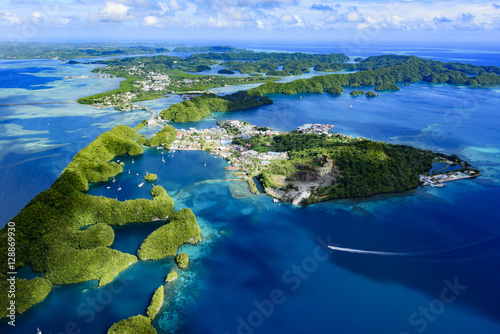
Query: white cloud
[115, 12]
[353, 15]
[9, 17]
[151, 21]
[293, 20]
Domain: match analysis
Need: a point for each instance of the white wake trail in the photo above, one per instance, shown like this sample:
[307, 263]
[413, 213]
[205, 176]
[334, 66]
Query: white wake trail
[360, 251]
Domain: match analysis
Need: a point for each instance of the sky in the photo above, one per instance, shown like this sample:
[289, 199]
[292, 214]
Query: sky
[279, 20]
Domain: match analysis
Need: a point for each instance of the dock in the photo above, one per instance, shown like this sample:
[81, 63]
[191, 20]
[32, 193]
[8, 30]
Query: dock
[440, 179]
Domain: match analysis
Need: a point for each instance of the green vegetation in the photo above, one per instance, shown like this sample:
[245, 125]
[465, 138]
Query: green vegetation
[364, 168]
[28, 293]
[371, 94]
[138, 324]
[182, 260]
[207, 49]
[201, 106]
[164, 241]
[156, 302]
[172, 276]
[150, 177]
[225, 71]
[152, 77]
[51, 240]
[387, 86]
[164, 137]
[358, 59]
[386, 70]
[74, 50]
[141, 125]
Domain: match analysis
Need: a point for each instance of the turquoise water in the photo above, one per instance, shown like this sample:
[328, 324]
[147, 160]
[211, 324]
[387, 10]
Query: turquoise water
[396, 253]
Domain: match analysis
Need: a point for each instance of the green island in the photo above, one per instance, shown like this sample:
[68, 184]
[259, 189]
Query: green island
[63, 51]
[201, 106]
[65, 233]
[172, 276]
[150, 177]
[327, 166]
[380, 72]
[156, 302]
[149, 78]
[182, 260]
[138, 324]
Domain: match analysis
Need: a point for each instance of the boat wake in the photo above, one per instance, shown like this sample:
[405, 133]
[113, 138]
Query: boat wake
[469, 250]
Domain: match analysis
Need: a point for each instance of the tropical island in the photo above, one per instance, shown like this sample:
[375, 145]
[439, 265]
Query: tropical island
[64, 51]
[313, 164]
[66, 234]
[380, 72]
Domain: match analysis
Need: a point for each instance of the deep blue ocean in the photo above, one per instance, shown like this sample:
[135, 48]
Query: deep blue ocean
[424, 261]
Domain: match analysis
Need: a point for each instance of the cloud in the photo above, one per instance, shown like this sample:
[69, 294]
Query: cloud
[151, 21]
[115, 12]
[9, 17]
[496, 6]
[442, 19]
[467, 18]
[321, 7]
[291, 20]
[353, 15]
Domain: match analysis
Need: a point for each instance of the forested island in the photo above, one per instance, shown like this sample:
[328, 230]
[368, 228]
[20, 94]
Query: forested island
[64, 51]
[381, 72]
[65, 233]
[332, 166]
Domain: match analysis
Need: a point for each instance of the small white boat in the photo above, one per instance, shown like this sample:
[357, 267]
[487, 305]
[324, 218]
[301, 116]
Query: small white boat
[108, 187]
[275, 200]
[129, 171]
[119, 188]
[141, 184]
[159, 147]
[38, 331]
[133, 161]
[205, 164]
[162, 159]
[117, 160]
[350, 107]
[137, 174]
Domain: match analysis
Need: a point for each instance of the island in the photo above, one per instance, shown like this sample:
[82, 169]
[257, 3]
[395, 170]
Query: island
[65, 233]
[313, 164]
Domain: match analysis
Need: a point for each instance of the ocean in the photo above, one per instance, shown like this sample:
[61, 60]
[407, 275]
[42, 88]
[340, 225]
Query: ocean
[422, 261]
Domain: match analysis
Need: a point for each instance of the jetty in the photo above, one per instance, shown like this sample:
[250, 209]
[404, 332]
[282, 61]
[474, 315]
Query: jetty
[440, 179]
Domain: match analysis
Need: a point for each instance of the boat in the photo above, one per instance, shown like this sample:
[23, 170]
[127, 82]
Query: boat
[113, 179]
[129, 171]
[108, 187]
[133, 161]
[141, 184]
[38, 331]
[119, 188]
[275, 200]
[137, 174]
[162, 159]
[205, 164]
[350, 107]
[159, 147]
